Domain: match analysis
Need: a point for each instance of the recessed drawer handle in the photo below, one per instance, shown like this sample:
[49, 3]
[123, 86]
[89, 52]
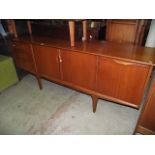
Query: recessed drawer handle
[123, 62]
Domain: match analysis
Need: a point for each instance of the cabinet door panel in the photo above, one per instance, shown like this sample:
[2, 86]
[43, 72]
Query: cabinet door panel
[47, 61]
[122, 80]
[79, 68]
[23, 56]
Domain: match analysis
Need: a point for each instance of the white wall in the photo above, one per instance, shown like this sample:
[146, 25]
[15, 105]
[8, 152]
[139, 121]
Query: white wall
[150, 42]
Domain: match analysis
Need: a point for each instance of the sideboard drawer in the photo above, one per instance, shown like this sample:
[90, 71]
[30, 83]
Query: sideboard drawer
[23, 56]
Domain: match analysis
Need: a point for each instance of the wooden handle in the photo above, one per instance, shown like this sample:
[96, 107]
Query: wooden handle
[60, 59]
[59, 56]
[123, 62]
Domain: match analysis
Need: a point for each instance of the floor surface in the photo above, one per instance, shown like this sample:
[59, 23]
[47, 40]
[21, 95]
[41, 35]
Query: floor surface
[24, 109]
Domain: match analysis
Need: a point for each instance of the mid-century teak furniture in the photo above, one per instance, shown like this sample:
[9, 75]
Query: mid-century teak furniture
[106, 70]
[102, 69]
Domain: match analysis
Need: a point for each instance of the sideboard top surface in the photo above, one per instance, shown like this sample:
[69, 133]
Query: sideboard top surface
[128, 52]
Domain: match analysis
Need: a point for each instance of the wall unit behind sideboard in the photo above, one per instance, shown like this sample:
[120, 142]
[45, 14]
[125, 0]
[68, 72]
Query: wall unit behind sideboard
[146, 123]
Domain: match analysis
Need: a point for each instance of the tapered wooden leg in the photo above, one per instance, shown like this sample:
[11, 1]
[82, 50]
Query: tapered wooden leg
[14, 28]
[135, 131]
[72, 32]
[84, 24]
[39, 82]
[94, 99]
[29, 27]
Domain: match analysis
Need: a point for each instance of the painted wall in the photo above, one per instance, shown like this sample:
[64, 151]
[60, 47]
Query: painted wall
[150, 42]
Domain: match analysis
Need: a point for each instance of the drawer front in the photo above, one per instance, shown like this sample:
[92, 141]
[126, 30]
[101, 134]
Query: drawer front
[22, 47]
[23, 56]
[122, 80]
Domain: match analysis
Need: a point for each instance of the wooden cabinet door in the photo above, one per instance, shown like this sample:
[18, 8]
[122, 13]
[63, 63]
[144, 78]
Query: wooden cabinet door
[47, 61]
[126, 31]
[146, 124]
[79, 68]
[23, 56]
[122, 80]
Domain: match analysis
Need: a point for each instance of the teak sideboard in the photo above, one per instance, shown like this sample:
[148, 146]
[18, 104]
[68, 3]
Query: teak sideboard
[106, 70]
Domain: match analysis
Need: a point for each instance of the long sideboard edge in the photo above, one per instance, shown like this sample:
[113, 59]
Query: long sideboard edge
[87, 52]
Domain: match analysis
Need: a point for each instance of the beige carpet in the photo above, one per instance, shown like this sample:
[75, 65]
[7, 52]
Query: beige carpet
[24, 109]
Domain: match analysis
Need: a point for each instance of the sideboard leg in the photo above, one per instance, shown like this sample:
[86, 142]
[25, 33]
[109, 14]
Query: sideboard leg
[39, 82]
[94, 99]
